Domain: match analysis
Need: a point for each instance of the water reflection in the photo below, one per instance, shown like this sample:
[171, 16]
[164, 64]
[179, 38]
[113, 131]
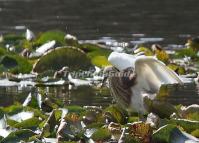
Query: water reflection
[86, 95]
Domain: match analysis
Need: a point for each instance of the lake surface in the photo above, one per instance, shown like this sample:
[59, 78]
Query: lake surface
[124, 20]
[167, 22]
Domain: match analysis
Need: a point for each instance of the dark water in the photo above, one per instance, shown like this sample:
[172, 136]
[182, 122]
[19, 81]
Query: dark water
[123, 20]
[91, 19]
[186, 94]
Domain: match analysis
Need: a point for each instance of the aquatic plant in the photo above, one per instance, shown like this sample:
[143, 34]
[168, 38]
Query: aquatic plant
[61, 57]
[97, 54]
[47, 36]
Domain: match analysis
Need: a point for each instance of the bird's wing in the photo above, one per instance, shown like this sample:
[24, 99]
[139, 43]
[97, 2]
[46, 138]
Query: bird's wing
[121, 60]
[152, 73]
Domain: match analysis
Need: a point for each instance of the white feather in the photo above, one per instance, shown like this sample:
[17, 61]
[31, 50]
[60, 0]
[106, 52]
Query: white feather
[151, 74]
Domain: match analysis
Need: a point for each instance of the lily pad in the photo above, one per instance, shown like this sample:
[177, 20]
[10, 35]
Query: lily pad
[115, 114]
[101, 134]
[61, 57]
[97, 54]
[171, 134]
[13, 109]
[19, 135]
[56, 35]
[187, 125]
[31, 123]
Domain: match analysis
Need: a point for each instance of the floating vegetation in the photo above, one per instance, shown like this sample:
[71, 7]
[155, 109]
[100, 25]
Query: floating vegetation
[46, 116]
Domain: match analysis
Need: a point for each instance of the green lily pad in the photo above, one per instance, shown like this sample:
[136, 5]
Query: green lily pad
[19, 135]
[187, 125]
[31, 123]
[56, 35]
[101, 134]
[178, 69]
[116, 114]
[75, 109]
[195, 133]
[61, 57]
[11, 122]
[164, 134]
[13, 109]
[97, 54]
[188, 52]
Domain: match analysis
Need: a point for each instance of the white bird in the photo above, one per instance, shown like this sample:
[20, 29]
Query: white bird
[29, 35]
[145, 75]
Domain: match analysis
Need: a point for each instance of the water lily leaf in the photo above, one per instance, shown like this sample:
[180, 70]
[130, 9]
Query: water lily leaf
[60, 57]
[187, 125]
[97, 54]
[56, 35]
[115, 114]
[101, 134]
[195, 133]
[21, 116]
[171, 134]
[31, 123]
[19, 135]
[178, 69]
[11, 122]
[13, 109]
[75, 109]
[36, 112]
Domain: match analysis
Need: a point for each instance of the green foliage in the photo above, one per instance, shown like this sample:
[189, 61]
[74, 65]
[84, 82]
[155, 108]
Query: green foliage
[2, 51]
[97, 54]
[178, 69]
[193, 116]
[31, 123]
[117, 114]
[133, 119]
[75, 109]
[13, 63]
[186, 52]
[195, 133]
[146, 51]
[13, 109]
[163, 135]
[130, 139]
[187, 125]
[59, 58]
[11, 122]
[101, 134]
[23, 65]
[37, 112]
[19, 135]
[13, 39]
[56, 35]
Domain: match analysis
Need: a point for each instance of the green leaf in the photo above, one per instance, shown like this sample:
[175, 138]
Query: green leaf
[31, 123]
[18, 136]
